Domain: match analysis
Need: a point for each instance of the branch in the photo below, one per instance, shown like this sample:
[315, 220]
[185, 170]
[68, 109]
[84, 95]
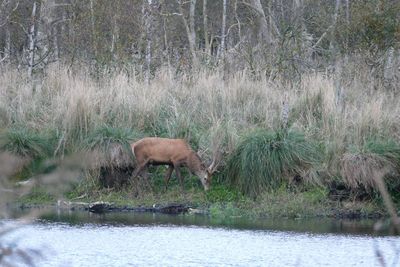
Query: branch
[170, 14]
[4, 58]
[22, 26]
[7, 18]
[322, 37]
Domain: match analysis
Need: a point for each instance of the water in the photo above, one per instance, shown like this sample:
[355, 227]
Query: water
[126, 239]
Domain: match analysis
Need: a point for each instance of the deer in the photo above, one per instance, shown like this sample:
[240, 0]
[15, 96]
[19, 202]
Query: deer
[174, 153]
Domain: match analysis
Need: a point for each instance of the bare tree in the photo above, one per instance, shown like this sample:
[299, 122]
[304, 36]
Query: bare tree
[7, 8]
[114, 34]
[190, 28]
[147, 22]
[265, 33]
[207, 47]
[93, 28]
[221, 51]
[32, 40]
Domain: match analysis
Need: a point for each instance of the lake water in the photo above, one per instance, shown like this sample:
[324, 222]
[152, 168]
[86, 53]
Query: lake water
[142, 239]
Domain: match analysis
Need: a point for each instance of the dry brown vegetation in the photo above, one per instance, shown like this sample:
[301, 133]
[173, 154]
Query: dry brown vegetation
[202, 108]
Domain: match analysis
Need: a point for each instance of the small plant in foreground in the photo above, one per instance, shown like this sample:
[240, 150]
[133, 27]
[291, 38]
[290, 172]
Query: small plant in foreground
[264, 159]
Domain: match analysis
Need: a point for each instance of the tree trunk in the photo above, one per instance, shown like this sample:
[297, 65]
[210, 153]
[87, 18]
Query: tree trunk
[205, 28]
[193, 32]
[93, 28]
[221, 51]
[347, 24]
[335, 18]
[166, 42]
[190, 30]
[147, 22]
[47, 31]
[191, 22]
[32, 40]
[8, 52]
[262, 21]
[114, 37]
[238, 21]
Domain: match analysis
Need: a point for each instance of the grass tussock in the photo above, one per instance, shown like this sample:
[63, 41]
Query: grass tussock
[376, 160]
[26, 143]
[111, 146]
[264, 160]
[111, 157]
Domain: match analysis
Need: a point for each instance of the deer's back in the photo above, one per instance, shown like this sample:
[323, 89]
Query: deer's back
[161, 150]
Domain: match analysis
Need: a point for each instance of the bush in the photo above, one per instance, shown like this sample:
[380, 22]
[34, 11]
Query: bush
[263, 160]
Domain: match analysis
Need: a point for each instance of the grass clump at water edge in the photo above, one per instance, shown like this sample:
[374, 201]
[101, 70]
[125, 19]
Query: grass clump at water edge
[361, 168]
[264, 159]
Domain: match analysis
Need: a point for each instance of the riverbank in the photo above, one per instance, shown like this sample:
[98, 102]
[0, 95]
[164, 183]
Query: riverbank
[219, 202]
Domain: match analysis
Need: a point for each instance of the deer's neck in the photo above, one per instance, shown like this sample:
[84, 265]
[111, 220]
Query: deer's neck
[195, 165]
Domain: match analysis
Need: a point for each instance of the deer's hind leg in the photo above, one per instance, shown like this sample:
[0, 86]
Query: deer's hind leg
[140, 178]
[178, 175]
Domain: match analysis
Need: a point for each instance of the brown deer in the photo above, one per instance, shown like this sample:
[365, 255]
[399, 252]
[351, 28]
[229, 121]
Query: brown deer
[174, 153]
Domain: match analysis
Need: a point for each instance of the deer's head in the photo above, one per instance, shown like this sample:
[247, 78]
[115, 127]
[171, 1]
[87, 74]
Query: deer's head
[205, 174]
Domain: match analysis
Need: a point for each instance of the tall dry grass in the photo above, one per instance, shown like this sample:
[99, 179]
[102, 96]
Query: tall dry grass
[73, 105]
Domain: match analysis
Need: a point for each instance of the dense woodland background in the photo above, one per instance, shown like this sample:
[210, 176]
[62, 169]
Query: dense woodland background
[270, 38]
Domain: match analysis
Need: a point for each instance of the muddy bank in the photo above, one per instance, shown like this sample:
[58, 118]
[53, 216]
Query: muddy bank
[182, 208]
[103, 207]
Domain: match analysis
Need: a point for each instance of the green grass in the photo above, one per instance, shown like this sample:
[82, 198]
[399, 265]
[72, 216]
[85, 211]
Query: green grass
[225, 211]
[37, 196]
[25, 142]
[264, 160]
[222, 194]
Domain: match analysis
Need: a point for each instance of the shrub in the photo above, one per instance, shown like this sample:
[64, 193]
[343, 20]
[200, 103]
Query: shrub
[263, 160]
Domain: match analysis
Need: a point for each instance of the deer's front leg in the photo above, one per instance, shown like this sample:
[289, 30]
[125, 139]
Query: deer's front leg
[168, 175]
[139, 169]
